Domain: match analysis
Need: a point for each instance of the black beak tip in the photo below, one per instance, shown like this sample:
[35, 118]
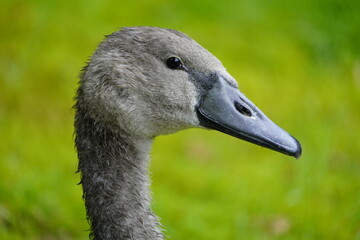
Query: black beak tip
[298, 150]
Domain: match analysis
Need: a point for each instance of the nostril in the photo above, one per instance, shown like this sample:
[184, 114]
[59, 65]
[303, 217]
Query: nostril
[242, 109]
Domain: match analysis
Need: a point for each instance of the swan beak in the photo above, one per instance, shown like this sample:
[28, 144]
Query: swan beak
[224, 108]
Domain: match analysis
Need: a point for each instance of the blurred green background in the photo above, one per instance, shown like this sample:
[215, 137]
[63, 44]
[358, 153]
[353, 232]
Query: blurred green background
[299, 61]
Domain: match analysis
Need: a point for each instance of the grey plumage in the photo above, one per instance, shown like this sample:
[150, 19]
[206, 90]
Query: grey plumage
[126, 97]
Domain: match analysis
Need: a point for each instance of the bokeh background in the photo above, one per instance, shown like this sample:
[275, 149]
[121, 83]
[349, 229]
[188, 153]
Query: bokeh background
[299, 61]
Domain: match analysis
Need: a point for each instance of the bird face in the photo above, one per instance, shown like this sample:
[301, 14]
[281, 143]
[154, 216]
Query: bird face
[151, 81]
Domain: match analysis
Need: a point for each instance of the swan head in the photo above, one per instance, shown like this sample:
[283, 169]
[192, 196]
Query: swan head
[151, 81]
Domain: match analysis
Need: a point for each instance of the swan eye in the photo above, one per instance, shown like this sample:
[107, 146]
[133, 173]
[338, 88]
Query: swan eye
[174, 63]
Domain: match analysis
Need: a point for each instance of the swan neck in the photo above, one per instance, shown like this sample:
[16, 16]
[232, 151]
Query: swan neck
[115, 181]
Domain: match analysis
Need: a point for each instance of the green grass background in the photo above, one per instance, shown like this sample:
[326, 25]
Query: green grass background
[299, 61]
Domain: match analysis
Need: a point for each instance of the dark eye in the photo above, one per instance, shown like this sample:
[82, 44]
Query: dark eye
[174, 63]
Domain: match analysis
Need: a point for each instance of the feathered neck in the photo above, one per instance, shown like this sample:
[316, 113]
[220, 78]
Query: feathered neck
[114, 177]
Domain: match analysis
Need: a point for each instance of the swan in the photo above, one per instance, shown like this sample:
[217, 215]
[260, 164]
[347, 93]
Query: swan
[142, 82]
